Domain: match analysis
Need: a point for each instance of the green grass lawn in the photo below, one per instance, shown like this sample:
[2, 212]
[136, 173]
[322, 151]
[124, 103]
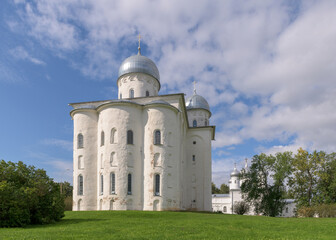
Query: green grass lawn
[174, 225]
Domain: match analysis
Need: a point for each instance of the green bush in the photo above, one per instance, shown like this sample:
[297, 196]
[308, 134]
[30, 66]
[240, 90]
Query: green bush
[28, 196]
[241, 207]
[326, 210]
[68, 203]
[306, 211]
[322, 211]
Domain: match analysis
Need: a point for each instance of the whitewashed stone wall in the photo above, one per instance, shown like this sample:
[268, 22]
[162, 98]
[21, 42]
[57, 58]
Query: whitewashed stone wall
[140, 83]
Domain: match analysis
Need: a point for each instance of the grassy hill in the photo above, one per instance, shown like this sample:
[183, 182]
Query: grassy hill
[174, 225]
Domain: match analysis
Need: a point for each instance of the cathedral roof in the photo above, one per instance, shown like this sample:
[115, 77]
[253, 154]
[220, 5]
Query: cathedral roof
[139, 64]
[235, 172]
[197, 102]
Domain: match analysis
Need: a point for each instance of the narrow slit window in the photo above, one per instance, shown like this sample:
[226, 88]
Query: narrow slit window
[129, 184]
[157, 185]
[194, 123]
[80, 185]
[113, 135]
[157, 137]
[80, 141]
[129, 137]
[102, 138]
[147, 93]
[112, 176]
[101, 184]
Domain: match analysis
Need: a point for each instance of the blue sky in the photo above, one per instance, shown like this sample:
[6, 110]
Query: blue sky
[267, 69]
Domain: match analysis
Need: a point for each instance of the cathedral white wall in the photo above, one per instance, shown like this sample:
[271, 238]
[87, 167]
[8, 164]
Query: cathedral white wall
[198, 160]
[200, 115]
[85, 122]
[140, 83]
[162, 159]
[181, 180]
[127, 158]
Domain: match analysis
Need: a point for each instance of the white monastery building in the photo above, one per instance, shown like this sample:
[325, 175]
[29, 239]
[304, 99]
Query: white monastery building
[224, 202]
[142, 151]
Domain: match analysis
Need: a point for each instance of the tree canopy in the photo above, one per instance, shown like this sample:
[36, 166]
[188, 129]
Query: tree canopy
[222, 190]
[264, 183]
[28, 196]
[309, 178]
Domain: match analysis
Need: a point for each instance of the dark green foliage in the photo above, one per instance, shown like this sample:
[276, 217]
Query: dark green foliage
[66, 190]
[264, 184]
[313, 181]
[28, 196]
[241, 207]
[222, 190]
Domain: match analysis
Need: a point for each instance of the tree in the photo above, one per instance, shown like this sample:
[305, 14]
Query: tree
[28, 196]
[224, 189]
[66, 190]
[214, 189]
[326, 184]
[241, 207]
[264, 182]
[303, 182]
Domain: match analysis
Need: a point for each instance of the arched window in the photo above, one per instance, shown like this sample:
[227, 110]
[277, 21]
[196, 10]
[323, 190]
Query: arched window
[113, 136]
[193, 158]
[194, 123]
[101, 184]
[80, 185]
[112, 159]
[129, 137]
[147, 93]
[112, 182]
[80, 162]
[129, 184]
[131, 93]
[206, 122]
[120, 95]
[157, 137]
[224, 209]
[102, 138]
[157, 185]
[80, 141]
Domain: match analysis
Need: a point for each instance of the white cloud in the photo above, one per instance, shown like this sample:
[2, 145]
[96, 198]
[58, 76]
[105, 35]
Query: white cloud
[67, 145]
[267, 68]
[22, 54]
[61, 169]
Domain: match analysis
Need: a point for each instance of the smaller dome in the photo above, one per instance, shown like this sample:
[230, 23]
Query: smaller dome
[139, 64]
[235, 173]
[197, 102]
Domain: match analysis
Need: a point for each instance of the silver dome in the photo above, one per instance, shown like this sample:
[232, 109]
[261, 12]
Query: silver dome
[196, 101]
[139, 64]
[235, 173]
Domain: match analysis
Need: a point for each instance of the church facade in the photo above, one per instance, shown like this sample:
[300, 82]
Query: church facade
[142, 151]
[224, 202]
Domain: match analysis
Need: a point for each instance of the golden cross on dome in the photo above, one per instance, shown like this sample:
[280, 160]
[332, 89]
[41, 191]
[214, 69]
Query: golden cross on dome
[139, 49]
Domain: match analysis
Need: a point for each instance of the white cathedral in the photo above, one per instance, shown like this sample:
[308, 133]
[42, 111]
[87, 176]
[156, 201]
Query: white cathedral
[142, 151]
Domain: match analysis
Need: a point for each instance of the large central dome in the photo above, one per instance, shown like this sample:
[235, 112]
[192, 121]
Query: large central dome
[139, 64]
